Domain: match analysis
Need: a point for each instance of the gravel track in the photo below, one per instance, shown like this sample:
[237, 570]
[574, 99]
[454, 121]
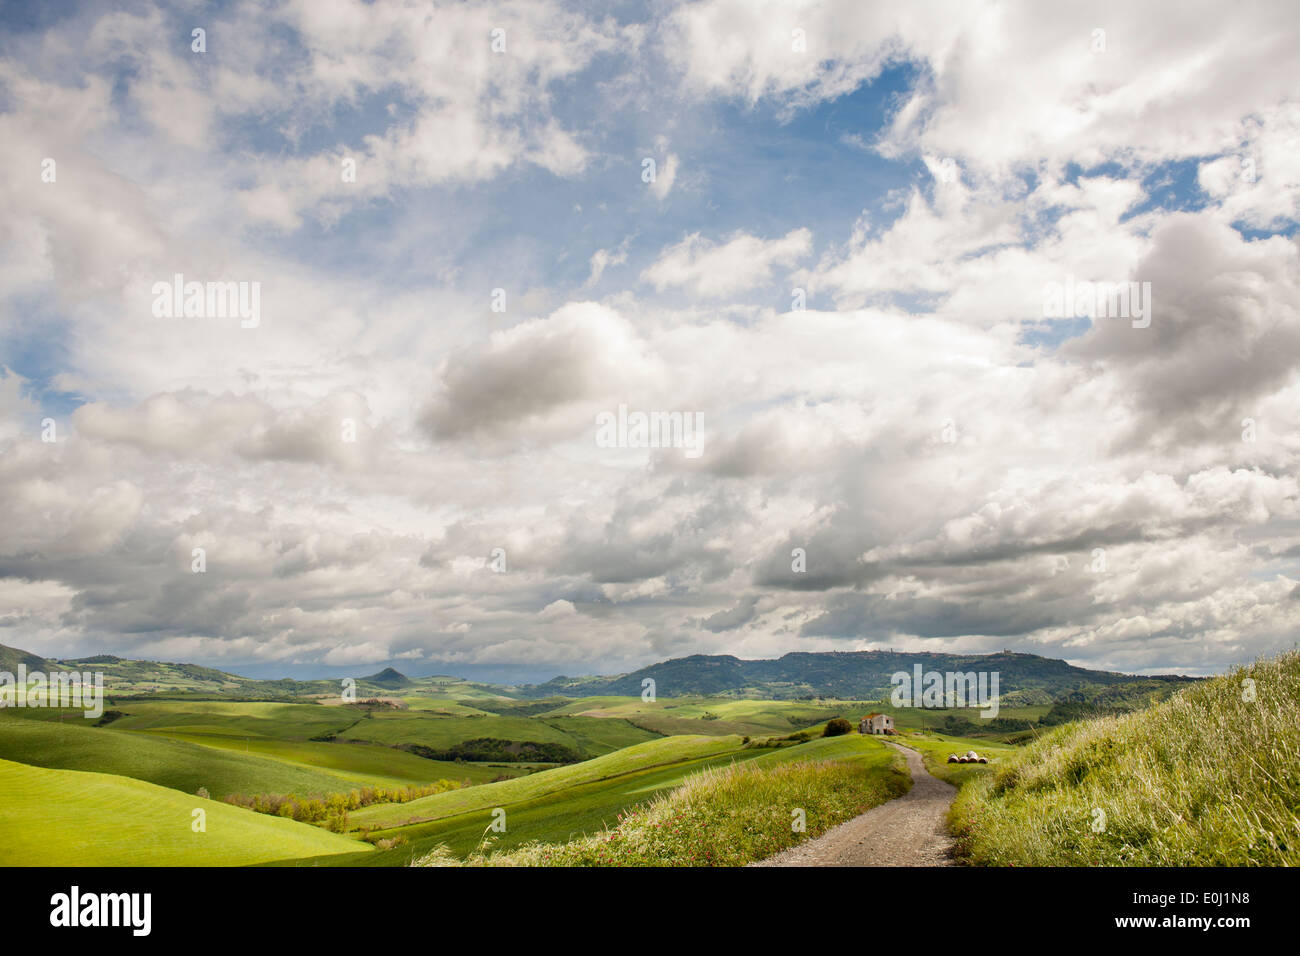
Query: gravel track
[908, 831]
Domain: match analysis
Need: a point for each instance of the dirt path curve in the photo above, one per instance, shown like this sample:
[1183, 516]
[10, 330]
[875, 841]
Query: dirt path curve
[908, 831]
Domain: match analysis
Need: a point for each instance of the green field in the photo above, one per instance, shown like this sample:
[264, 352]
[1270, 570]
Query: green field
[586, 736]
[236, 718]
[935, 748]
[70, 818]
[443, 706]
[357, 764]
[729, 715]
[716, 716]
[177, 764]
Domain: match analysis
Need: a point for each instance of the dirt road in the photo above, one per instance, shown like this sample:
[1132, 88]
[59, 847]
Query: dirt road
[909, 831]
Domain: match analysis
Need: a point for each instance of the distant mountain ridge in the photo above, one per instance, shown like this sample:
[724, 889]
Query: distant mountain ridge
[1028, 678]
[843, 674]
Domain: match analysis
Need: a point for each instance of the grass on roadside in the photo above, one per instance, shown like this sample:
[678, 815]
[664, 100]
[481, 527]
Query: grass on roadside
[1210, 777]
[724, 816]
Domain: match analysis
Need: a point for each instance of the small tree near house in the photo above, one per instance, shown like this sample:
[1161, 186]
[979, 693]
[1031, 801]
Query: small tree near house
[837, 727]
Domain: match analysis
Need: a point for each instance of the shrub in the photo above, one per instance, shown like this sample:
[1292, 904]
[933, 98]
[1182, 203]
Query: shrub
[497, 750]
[837, 727]
[334, 807]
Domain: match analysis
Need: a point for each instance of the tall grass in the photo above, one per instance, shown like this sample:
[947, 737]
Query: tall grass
[724, 816]
[1209, 777]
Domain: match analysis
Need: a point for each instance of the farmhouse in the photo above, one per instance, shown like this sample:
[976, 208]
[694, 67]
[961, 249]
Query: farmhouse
[876, 724]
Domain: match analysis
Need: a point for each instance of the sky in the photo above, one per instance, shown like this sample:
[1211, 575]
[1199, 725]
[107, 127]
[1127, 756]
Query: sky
[828, 234]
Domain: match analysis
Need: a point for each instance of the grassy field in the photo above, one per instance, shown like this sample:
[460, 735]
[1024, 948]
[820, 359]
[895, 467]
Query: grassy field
[70, 818]
[717, 716]
[361, 764]
[655, 754]
[935, 748]
[1210, 777]
[442, 707]
[177, 764]
[727, 715]
[236, 718]
[585, 736]
[727, 815]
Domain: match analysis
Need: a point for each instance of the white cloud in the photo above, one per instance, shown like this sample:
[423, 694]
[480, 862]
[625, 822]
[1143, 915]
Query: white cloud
[741, 262]
[1004, 84]
[665, 177]
[602, 259]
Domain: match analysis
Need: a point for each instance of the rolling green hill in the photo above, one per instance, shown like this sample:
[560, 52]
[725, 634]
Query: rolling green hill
[361, 764]
[71, 818]
[1209, 777]
[11, 657]
[654, 753]
[177, 764]
[568, 738]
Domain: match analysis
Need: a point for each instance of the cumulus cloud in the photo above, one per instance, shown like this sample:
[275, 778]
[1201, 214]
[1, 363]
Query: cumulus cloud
[711, 270]
[522, 375]
[1225, 329]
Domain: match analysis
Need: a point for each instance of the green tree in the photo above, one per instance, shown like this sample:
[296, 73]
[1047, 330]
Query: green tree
[837, 727]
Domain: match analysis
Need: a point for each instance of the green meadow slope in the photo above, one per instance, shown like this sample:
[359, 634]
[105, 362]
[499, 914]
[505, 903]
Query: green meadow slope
[1209, 777]
[665, 752]
[358, 765]
[934, 749]
[726, 815]
[70, 818]
[167, 763]
[260, 748]
[186, 766]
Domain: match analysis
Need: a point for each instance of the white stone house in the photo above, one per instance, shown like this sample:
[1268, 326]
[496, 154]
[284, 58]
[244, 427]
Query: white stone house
[876, 724]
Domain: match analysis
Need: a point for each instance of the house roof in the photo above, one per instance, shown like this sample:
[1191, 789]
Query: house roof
[874, 713]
